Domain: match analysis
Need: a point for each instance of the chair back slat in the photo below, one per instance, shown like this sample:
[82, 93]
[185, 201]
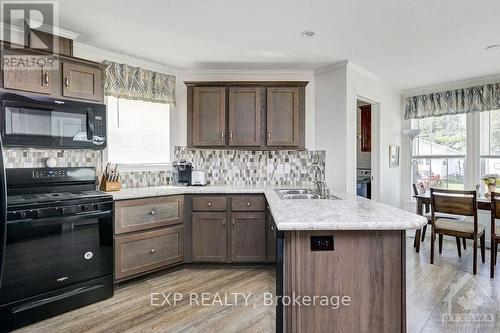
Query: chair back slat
[495, 211]
[454, 202]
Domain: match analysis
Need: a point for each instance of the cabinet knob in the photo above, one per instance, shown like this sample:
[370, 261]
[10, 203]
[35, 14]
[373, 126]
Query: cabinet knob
[209, 204]
[248, 204]
[269, 135]
[232, 221]
[152, 212]
[152, 251]
[272, 227]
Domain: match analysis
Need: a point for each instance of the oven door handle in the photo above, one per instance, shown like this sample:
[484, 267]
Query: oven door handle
[67, 218]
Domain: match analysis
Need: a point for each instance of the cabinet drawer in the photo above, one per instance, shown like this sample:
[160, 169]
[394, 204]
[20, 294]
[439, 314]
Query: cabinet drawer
[209, 203]
[248, 203]
[143, 214]
[142, 252]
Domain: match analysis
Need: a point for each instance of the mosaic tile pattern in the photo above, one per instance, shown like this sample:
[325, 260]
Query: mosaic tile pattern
[145, 178]
[35, 158]
[241, 167]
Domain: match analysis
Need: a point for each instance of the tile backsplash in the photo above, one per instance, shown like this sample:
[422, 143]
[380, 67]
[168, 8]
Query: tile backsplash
[242, 167]
[238, 167]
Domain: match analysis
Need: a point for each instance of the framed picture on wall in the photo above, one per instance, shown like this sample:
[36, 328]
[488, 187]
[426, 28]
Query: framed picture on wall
[393, 156]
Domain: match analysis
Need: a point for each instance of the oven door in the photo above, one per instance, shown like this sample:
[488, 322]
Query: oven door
[51, 253]
[31, 123]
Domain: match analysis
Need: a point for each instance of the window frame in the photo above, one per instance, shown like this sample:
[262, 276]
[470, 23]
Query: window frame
[144, 167]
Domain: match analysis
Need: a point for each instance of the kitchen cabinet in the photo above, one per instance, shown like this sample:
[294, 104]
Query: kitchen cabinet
[39, 79]
[262, 115]
[81, 81]
[366, 128]
[209, 236]
[142, 214]
[143, 252]
[209, 116]
[244, 116]
[283, 117]
[248, 236]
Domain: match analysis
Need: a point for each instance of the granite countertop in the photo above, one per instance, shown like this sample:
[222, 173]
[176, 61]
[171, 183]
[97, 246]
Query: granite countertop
[348, 212]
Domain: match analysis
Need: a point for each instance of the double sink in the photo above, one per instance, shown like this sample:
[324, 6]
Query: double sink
[304, 194]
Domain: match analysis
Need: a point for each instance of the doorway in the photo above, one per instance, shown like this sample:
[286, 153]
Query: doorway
[364, 144]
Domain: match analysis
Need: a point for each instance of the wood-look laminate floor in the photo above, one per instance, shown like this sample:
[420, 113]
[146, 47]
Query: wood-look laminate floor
[446, 290]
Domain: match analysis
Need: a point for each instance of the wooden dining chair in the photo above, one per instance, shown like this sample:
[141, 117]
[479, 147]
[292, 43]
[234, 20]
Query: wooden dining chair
[495, 231]
[420, 233]
[458, 203]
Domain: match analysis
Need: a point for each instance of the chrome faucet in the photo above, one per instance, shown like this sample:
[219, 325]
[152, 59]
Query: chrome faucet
[318, 179]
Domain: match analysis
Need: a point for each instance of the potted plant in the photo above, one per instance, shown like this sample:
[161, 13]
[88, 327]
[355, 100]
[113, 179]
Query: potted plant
[490, 180]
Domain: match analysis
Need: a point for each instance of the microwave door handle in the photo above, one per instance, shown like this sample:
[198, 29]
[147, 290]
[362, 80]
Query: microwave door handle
[3, 216]
[90, 125]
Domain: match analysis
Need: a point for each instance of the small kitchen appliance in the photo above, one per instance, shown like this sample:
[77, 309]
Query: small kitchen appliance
[198, 178]
[181, 173]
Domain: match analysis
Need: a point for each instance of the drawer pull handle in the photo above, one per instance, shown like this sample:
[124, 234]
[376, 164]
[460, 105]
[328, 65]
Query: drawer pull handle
[66, 82]
[248, 204]
[152, 212]
[152, 251]
[46, 79]
[209, 204]
[272, 227]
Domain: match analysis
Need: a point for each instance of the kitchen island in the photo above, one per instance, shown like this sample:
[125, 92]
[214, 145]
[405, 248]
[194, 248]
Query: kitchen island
[340, 262]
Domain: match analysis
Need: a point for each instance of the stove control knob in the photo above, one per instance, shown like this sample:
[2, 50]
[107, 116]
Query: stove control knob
[36, 213]
[63, 210]
[84, 208]
[97, 207]
[22, 215]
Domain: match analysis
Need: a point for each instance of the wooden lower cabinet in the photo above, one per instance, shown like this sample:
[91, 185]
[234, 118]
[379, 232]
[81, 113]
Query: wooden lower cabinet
[270, 238]
[146, 251]
[209, 236]
[248, 237]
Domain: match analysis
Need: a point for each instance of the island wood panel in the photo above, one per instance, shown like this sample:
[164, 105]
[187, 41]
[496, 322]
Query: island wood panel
[245, 116]
[209, 116]
[368, 266]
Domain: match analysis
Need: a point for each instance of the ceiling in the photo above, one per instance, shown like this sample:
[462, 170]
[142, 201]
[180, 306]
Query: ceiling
[407, 43]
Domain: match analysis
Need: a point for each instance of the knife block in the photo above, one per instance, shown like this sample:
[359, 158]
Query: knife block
[109, 186]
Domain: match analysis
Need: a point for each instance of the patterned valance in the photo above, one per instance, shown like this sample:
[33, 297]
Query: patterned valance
[473, 99]
[124, 81]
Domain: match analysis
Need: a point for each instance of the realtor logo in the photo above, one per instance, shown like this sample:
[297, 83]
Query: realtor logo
[465, 302]
[29, 24]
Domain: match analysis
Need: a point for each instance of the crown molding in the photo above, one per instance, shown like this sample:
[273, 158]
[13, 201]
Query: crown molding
[244, 71]
[331, 68]
[33, 24]
[122, 58]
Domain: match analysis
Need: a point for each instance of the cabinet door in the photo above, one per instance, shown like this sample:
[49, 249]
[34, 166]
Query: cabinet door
[142, 252]
[366, 127]
[209, 116]
[248, 237]
[142, 214]
[40, 79]
[82, 81]
[209, 236]
[283, 117]
[244, 117]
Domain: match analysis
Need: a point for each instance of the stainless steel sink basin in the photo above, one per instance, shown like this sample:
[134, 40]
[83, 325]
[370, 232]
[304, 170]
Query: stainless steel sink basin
[294, 191]
[300, 196]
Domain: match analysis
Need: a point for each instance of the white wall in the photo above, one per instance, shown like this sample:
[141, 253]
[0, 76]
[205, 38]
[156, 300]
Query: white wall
[180, 128]
[330, 123]
[337, 89]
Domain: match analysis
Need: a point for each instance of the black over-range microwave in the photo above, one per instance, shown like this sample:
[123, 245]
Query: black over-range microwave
[44, 122]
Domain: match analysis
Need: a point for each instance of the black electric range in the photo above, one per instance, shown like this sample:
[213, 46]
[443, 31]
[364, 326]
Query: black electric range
[59, 244]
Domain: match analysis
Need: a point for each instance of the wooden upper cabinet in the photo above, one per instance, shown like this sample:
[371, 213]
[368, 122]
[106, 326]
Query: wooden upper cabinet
[283, 123]
[244, 116]
[366, 128]
[39, 79]
[81, 81]
[209, 116]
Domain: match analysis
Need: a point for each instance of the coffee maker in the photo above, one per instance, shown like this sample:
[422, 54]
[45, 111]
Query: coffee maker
[181, 173]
